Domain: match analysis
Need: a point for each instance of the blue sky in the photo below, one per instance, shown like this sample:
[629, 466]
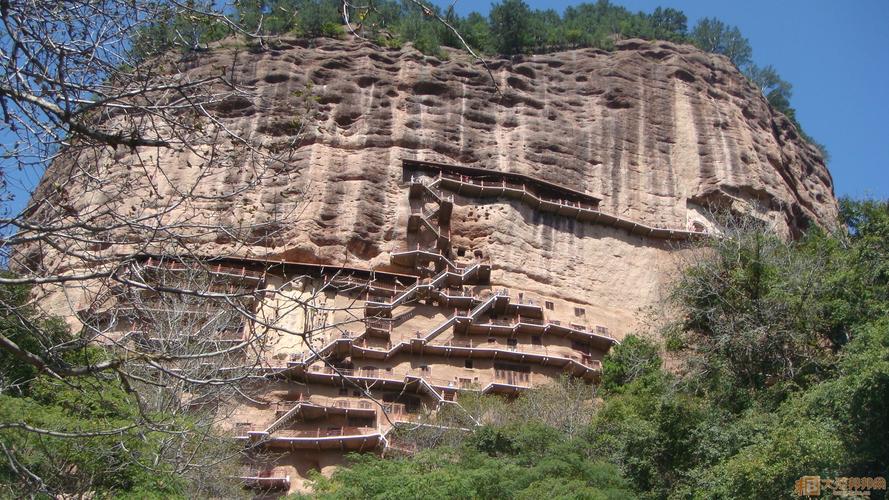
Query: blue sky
[836, 55]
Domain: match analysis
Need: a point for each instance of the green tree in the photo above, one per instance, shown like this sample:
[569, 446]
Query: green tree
[269, 17]
[753, 311]
[511, 24]
[634, 358]
[172, 28]
[735, 422]
[652, 431]
[477, 32]
[775, 89]
[669, 24]
[545, 30]
[521, 461]
[415, 26]
[318, 18]
[715, 36]
[20, 325]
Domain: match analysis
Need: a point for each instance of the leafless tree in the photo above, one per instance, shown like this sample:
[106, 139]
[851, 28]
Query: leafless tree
[132, 152]
[566, 404]
[134, 146]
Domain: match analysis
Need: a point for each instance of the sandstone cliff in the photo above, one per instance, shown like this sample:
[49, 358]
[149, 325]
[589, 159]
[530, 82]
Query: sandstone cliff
[659, 132]
[654, 129]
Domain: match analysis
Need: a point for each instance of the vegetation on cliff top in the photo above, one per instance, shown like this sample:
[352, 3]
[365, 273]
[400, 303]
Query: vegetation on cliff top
[785, 356]
[511, 28]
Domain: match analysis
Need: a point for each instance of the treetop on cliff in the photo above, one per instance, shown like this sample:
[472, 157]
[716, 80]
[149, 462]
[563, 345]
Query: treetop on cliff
[511, 28]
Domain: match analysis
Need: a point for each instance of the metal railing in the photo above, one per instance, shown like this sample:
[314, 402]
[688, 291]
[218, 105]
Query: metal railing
[532, 193]
[172, 265]
[530, 321]
[381, 324]
[328, 432]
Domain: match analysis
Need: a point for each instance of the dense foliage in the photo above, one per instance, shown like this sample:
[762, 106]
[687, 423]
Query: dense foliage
[528, 461]
[785, 356]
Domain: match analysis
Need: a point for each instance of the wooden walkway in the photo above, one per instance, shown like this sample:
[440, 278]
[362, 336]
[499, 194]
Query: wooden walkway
[538, 194]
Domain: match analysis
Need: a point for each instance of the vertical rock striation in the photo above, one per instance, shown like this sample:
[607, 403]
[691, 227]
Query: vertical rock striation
[659, 132]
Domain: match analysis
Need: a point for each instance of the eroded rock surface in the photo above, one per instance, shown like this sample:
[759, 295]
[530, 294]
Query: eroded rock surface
[658, 131]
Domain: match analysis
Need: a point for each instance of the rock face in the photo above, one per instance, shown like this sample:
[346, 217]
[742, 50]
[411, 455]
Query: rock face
[389, 163]
[653, 129]
[659, 132]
